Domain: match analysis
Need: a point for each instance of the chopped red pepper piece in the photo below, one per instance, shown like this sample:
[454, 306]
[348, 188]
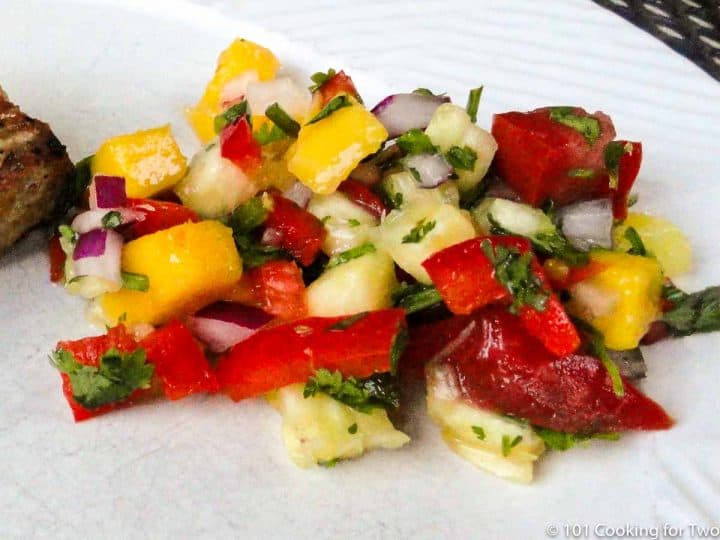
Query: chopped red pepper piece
[57, 259]
[239, 146]
[364, 197]
[502, 368]
[157, 216]
[357, 346]
[340, 83]
[294, 229]
[543, 159]
[467, 281]
[180, 364]
[428, 340]
[628, 170]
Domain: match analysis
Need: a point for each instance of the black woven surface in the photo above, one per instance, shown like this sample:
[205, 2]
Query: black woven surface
[691, 27]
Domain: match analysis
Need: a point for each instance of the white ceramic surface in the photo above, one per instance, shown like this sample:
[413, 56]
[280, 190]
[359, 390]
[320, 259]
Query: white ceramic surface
[210, 468]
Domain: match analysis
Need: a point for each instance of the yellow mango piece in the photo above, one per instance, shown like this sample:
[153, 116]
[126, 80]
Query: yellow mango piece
[661, 238]
[188, 266]
[326, 151]
[240, 57]
[150, 160]
[622, 300]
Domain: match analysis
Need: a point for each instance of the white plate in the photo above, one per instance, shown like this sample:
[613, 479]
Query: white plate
[212, 468]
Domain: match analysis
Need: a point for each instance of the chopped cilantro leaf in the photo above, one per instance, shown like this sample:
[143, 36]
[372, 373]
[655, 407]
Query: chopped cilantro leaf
[419, 232]
[508, 443]
[397, 200]
[321, 78]
[581, 173]
[269, 133]
[352, 430]
[402, 338]
[696, 312]
[115, 378]
[338, 102]
[248, 215]
[377, 392]
[559, 440]
[415, 141]
[637, 247]
[479, 432]
[416, 297]
[614, 151]
[587, 126]
[461, 158]
[352, 222]
[282, 120]
[344, 324]
[596, 344]
[111, 220]
[425, 92]
[244, 221]
[135, 282]
[231, 115]
[350, 254]
[68, 234]
[473, 103]
[329, 464]
[514, 271]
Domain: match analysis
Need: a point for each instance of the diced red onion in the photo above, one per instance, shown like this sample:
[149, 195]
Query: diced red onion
[93, 219]
[432, 170]
[271, 237]
[299, 193]
[222, 325]
[401, 112]
[98, 253]
[498, 189]
[107, 192]
[588, 224]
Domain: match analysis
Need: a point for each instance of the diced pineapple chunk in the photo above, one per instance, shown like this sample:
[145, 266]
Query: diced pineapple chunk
[188, 266]
[241, 58]
[661, 238]
[320, 429]
[451, 126]
[402, 189]
[447, 225]
[493, 442]
[346, 223]
[362, 284]
[327, 151]
[149, 160]
[622, 300]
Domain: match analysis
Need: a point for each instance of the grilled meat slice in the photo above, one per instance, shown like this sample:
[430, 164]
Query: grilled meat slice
[34, 168]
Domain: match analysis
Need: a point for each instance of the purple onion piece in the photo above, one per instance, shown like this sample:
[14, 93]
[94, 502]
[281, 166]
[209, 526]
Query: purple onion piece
[588, 224]
[90, 244]
[298, 193]
[402, 112]
[430, 170]
[224, 324]
[98, 253]
[107, 192]
[93, 219]
[498, 189]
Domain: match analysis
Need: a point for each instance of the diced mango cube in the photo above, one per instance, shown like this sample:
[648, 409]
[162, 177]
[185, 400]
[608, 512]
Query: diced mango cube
[188, 266]
[622, 300]
[239, 58]
[150, 160]
[661, 238]
[327, 151]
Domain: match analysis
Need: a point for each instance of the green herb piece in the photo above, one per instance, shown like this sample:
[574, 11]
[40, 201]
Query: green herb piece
[248, 216]
[244, 221]
[581, 173]
[514, 271]
[74, 188]
[479, 432]
[414, 142]
[352, 430]
[471, 197]
[402, 338]
[561, 441]
[111, 220]
[415, 174]
[461, 158]
[509, 443]
[425, 92]
[696, 312]
[397, 200]
[325, 219]
[596, 344]
[637, 247]
[350, 254]
[135, 282]
[614, 151]
[416, 297]
[230, 116]
[282, 120]
[68, 234]
[473, 103]
[587, 126]
[269, 133]
[321, 78]
[76, 279]
[336, 103]
[352, 222]
[674, 295]
[116, 377]
[377, 392]
[329, 464]
[419, 231]
[344, 324]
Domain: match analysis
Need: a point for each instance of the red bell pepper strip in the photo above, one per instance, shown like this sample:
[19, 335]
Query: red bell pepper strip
[57, 259]
[628, 170]
[467, 281]
[239, 146]
[502, 368]
[340, 83]
[357, 346]
[294, 229]
[157, 216]
[543, 159]
[180, 364]
[364, 197]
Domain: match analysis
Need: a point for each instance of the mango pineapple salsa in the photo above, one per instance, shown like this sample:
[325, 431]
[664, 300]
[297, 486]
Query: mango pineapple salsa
[188, 266]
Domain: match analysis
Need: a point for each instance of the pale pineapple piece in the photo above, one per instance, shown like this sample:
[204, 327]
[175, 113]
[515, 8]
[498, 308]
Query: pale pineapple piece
[346, 223]
[320, 429]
